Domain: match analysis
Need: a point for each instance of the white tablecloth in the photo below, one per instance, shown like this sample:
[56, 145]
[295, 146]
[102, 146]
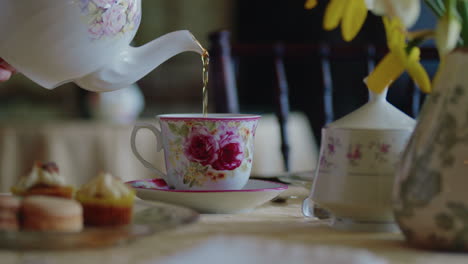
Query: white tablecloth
[83, 148]
[273, 233]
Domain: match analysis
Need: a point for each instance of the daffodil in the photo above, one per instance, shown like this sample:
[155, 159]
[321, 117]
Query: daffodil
[350, 14]
[309, 4]
[400, 58]
[406, 10]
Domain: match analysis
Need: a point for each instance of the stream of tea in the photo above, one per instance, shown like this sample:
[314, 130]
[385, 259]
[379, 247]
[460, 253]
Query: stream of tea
[206, 61]
[205, 57]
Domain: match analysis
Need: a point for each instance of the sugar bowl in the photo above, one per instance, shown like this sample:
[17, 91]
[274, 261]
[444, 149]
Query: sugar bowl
[359, 154]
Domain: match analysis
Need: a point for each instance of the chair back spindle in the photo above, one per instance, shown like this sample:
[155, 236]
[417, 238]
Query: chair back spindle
[222, 75]
[282, 102]
[324, 53]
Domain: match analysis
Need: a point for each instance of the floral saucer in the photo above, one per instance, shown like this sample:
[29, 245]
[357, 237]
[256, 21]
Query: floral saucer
[255, 193]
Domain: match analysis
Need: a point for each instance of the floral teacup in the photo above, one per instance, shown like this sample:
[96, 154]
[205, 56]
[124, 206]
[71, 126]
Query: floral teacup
[203, 153]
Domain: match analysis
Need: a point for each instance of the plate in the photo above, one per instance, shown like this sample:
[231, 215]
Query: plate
[255, 193]
[148, 218]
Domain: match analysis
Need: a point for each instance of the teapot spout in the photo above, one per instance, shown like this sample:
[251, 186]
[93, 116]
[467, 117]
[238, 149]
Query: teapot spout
[134, 63]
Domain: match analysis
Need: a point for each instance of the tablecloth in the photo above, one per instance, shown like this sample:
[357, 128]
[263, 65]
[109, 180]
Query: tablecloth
[277, 225]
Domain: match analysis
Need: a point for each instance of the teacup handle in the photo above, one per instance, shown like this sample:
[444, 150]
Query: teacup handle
[159, 147]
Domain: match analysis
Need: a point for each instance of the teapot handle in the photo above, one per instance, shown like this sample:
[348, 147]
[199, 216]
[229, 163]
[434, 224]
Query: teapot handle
[158, 135]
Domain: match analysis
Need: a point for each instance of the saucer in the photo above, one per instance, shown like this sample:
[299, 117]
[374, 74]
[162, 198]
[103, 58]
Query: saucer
[255, 193]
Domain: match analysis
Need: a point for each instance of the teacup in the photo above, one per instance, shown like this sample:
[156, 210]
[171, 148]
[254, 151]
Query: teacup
[203, 153]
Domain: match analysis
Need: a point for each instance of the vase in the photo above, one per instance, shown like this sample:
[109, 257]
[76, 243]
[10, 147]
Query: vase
[430, 198]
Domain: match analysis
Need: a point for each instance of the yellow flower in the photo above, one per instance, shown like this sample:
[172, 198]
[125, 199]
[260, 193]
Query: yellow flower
[351, 14]
[309, 4]
[400, 58]
[406, 10]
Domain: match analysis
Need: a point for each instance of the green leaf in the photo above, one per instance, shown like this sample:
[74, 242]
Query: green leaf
[195, 165]
[173, 127]
[210, 125]
[437, 6]
[180, 131]
[463, 11]
[183, 131]
[451, 7]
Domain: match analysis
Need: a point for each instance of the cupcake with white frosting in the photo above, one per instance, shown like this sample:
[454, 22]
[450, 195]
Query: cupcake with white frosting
[106, 201]
[43, 179]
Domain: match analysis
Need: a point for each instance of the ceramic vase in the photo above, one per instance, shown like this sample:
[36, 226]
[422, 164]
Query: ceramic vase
[430, 193]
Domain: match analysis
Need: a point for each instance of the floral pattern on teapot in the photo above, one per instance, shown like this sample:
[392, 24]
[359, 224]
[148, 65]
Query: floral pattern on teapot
[108, 18]
[204, 150]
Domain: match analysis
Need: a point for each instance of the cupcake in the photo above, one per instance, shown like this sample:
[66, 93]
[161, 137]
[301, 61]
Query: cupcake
[106, 201]
[44, 179]
[9, 208]
[46, 213]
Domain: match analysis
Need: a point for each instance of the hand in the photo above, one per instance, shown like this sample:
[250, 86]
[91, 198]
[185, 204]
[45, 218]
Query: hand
[6, 70]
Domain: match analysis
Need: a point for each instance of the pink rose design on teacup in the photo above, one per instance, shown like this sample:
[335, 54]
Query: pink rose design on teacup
[201, 146]
[114, 19]
[223, 150]
[231, 153]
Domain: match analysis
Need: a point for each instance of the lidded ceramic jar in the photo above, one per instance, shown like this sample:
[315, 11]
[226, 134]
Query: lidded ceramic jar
[359, 154]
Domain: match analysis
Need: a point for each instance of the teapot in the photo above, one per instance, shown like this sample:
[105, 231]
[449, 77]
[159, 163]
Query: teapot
[53, 42]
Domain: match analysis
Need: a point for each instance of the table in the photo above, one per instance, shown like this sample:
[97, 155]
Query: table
[273, 221]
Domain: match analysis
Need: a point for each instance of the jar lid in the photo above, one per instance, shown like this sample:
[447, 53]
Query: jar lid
[378, 113]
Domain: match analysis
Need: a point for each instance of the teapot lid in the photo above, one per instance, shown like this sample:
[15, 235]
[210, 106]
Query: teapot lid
[377, 113]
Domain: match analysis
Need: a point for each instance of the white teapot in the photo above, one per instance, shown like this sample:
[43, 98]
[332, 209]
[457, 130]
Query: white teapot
[83, 41]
